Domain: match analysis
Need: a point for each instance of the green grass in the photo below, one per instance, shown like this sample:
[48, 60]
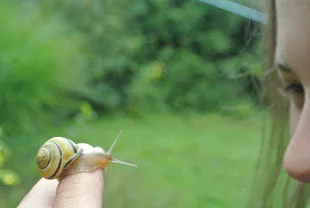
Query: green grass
[184, 161]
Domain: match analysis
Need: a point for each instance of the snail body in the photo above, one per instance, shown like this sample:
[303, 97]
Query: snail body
[60, 156]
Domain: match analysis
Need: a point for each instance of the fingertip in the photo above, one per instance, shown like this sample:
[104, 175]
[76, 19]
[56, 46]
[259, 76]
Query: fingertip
[99, 150]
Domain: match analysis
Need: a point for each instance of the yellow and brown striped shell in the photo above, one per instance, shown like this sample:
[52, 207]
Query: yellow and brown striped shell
[55, 155]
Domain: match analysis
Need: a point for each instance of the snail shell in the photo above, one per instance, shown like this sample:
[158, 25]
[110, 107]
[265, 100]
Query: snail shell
[55, 155]
[60, 156]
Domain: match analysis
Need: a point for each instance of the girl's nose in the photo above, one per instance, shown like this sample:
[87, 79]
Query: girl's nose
[297, 155]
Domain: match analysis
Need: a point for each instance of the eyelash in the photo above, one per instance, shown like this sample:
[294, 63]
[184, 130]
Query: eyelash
[294, 89]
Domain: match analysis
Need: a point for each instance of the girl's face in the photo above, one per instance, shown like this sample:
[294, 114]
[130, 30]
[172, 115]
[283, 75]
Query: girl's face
[292, 61]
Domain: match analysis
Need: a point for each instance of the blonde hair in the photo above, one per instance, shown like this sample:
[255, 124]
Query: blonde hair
[272, 187]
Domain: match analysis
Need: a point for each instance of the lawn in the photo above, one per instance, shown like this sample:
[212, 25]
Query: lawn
[183, 161]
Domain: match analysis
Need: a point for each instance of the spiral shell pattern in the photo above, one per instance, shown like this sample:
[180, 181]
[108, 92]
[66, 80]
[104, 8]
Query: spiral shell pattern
[55, 155]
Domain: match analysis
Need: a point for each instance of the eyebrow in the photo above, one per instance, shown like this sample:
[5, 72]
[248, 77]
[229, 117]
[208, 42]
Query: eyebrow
[283, 67]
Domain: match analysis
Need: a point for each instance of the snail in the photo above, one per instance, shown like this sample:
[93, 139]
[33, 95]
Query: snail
[60, 156]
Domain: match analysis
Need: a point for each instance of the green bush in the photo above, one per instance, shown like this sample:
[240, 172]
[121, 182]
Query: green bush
[189, 57]
[39, 62]
[7, 177]
[109, 44]
[160, 55]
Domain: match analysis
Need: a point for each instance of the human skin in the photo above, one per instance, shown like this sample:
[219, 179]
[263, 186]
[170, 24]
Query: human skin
[292, 61]
[77, 190]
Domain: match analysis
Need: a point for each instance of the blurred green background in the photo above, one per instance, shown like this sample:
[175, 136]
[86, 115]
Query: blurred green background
[179, 77]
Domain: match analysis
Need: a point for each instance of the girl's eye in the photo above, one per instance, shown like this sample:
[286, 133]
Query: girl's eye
[297, 94]
[296, 89]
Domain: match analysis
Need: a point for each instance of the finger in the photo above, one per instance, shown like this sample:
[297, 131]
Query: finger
[42, 195]
[80, 190]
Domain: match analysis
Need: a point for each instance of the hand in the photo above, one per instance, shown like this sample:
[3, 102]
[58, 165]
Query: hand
[77, 190]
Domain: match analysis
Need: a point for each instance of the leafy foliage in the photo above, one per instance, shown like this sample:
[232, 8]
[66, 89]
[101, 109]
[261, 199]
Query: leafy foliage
[7, 177]
[39, 61]
[139, 56]
[159, 55]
